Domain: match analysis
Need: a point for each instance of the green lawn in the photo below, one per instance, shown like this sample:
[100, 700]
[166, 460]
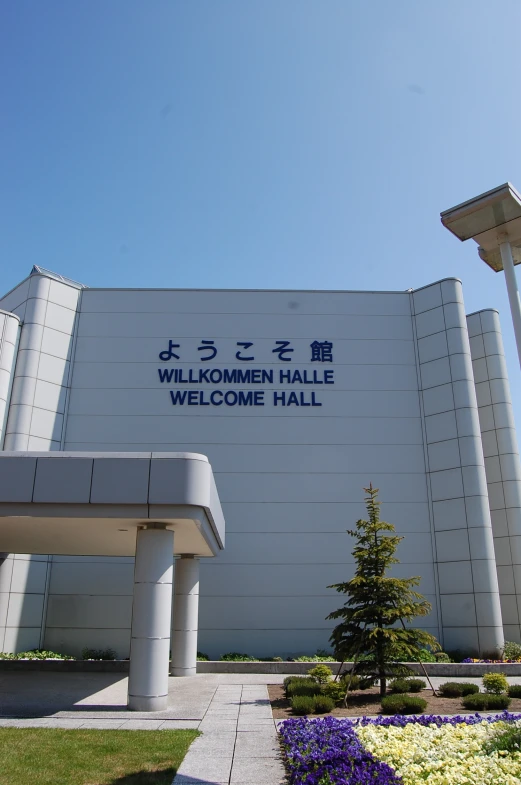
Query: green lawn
[44, 756]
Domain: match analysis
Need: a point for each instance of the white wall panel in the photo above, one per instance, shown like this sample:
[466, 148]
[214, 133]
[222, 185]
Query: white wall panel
[74, 610]
[72, 640]
[56, 344]
[166, 432]
[326, 488]
[59, 318]
[284, 548]
[76, 578]
[244, 301]
[28, 576]
[250, 326]
[49, 396]
[25, 610]
[16, 296]
[502, 464]
[292, 580]
[21, 638]
[455, 462]
[290, 477]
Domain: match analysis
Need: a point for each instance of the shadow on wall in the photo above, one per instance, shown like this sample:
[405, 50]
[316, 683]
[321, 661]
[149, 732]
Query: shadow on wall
[24, 580]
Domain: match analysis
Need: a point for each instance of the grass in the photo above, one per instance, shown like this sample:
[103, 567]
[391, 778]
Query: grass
[45, 756]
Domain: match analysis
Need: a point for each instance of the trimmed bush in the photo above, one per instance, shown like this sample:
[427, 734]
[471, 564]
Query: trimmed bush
[302, 704]
[322, 704]
[441, 656]
[335, 690]
[514, 691]
[288, 680]
[35, 654]
[457, 689]
[403, 704]
[321, 674]
[495, 683]
[482, 701]
[98, 654]
[407, 685]
[202, 657]
[303, 686]
[350, 681]
[357, 682]
[235, 656]
[512, 651]
[321, 656]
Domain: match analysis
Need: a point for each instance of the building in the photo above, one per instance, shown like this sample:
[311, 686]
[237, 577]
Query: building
[299, 399]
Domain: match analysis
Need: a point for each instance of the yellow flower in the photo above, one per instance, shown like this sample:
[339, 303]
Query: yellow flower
[448, 755]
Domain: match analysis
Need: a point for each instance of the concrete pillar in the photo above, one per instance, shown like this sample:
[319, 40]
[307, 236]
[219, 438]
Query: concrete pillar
[186, 617]
[151, 616]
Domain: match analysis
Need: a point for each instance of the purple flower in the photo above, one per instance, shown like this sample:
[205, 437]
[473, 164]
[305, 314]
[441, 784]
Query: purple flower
[328, 751]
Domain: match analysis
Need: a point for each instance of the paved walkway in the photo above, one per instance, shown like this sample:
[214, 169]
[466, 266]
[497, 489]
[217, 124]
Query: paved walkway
[239, 742]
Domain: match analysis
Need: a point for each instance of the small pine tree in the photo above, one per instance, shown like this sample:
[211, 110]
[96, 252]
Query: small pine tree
[372, 630]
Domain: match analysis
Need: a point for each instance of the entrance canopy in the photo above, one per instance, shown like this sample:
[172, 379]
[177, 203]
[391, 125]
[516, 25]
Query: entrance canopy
[92, 504]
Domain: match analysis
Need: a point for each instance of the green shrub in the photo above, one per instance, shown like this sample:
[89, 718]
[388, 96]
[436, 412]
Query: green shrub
[234, 656]
[407, 685]
[98, 654]
[303, 686]
[321, 674]
[302, 704]
[403, 704]
[507, 739]
[495, 683]
[37, 654]
[351, 682]
[441, 656]
[335, 690]
[322, 704]
[320, 656]
[400, 654]
[482, 701]
[457, 689]
[202, 657]
[355, 682]
[514, 691]
[512, 651]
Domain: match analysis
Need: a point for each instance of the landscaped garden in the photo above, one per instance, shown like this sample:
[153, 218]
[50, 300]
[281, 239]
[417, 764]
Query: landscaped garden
[43, 756]
[403, 750]
[352, 696]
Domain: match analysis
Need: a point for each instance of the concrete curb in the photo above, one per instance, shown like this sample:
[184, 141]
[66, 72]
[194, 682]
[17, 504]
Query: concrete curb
[454, 669]
[460, 669]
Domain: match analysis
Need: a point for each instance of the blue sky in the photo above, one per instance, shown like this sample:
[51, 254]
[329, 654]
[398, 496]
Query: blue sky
[256, 143]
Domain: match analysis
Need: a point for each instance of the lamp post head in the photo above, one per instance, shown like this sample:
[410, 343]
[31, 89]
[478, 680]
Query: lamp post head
[490, 219]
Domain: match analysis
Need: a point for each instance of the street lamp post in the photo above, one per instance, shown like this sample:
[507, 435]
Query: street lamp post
[493, 220]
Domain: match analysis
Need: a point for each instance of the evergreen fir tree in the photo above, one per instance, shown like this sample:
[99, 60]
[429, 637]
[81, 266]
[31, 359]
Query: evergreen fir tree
[372, 629]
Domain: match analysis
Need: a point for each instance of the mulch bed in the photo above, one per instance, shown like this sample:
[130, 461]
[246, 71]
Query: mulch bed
[368, 702]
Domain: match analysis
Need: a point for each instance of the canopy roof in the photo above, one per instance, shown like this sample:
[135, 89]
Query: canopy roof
[89, 503]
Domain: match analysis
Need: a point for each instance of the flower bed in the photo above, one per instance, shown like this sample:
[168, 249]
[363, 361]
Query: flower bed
[398, 751]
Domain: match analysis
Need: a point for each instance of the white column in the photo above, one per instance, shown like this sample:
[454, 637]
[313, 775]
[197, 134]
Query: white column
[186, 616]
[513, 292]
[151, 616]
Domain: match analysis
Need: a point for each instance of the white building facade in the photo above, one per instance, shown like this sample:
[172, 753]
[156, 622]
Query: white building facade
[299, 399]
